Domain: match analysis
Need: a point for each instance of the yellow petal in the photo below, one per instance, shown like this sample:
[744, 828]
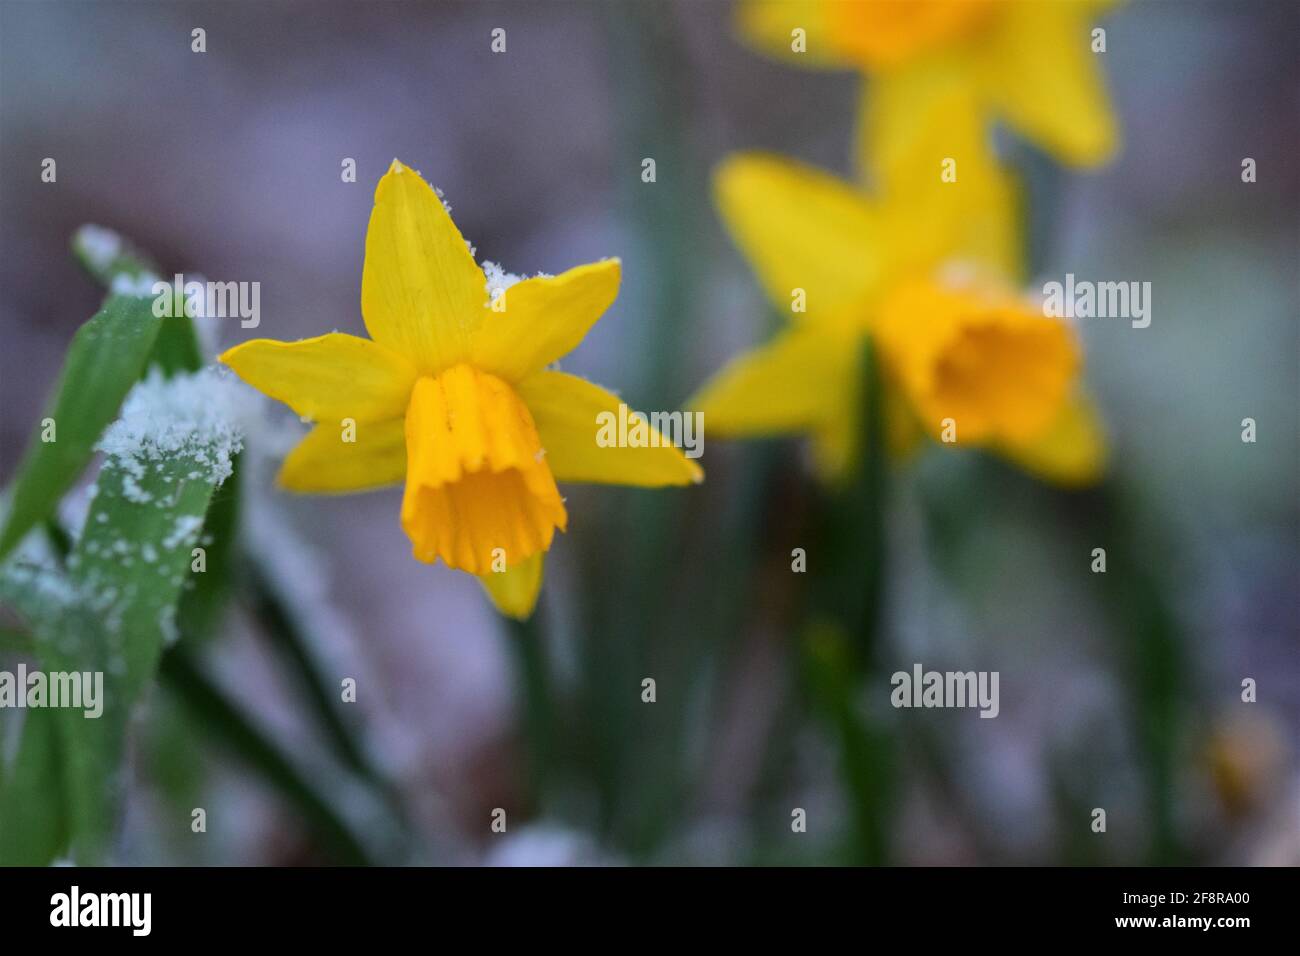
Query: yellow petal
[569, 414]
[478, 487]
[770, 25]
[802, 229]
[538, 320]
[328, 378]
[1071, 451]
[1040, 73]
[514, 591]
[801, 381]
[943, 193]
[324, 463]
[422, 294]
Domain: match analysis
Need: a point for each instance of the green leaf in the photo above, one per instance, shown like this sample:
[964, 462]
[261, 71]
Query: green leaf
[106, 255]
[112, 260]
[33, 817]
[52, 787]
[202, 604]
[172, 447]
[106, 357]
[116, 608]
[222, 719]
[177, 347]
[135, 554]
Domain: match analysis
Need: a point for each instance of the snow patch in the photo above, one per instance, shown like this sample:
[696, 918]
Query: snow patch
[498, 280]
[442, 199]
[199, 417]
[138, 285]
[186, 528]
[100, 247]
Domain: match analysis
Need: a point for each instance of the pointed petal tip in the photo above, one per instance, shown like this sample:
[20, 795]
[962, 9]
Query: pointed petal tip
[229, 356]
[515, 594]
[615, 265]
[744, 162]
[520, 614]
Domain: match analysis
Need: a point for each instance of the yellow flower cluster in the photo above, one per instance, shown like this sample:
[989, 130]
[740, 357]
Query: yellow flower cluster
[452, 393]
[927, 260]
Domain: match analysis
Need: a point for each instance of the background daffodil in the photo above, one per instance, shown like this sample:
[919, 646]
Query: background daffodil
[1028, 62]
[452, 394]
[928, 270]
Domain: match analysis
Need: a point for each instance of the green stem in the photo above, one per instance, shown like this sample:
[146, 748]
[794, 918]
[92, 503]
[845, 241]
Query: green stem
[213, 711]
[537, 719]
[854, 596]
[869, 746]
[870, 501]
[281, 628]
[1156, 671]
[638, 749]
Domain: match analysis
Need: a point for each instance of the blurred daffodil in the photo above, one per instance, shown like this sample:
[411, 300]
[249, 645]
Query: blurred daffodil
[927, 270]
[1029, 62]
[451, 394]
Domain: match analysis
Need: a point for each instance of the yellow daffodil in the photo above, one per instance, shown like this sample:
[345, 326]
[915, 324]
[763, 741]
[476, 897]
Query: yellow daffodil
[453, 395]
[1028, 62]
[926, 270]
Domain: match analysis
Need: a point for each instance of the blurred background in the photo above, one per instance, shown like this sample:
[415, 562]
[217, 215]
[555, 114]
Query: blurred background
[1120, 691]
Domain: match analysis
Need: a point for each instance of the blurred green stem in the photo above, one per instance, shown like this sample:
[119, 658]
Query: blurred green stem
[323, 699]
[282, 630]
[853, 594]
[867, 509]
[1150, 643]
[639, 750]
[537, 718]
[222, 718]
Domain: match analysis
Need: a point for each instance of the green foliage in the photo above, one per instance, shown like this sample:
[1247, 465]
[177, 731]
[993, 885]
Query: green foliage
[111, 612]
[113, 598]
[42, 802]
[33, 817]
[204, 599]
[106, 255]
[113, 606]
[107, 355]
[136, 552]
